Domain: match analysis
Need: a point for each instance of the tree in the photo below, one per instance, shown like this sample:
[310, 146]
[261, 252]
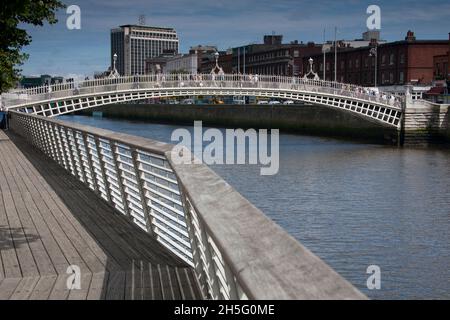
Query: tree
[13, 38]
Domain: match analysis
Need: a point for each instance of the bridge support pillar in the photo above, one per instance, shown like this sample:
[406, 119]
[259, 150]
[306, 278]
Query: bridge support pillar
[425, 123]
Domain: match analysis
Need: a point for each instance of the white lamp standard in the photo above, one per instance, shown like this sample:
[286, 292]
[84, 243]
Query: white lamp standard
[114, 73]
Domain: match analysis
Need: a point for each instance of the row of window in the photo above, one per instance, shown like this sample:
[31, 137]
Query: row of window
[387, 78]
[270, 55]
[368, 61]
[277, 69]
[153, 35]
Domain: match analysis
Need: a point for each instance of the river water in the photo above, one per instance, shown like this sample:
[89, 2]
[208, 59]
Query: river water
[354, 205]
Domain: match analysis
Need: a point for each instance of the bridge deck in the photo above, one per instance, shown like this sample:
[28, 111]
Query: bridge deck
[49, 220]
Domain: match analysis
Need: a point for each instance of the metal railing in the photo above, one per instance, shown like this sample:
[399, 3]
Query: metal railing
[235, 250]
[165, 81]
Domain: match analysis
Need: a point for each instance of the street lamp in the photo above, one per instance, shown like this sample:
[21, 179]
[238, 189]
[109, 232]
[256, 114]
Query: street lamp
[114, 73]
[374, 53]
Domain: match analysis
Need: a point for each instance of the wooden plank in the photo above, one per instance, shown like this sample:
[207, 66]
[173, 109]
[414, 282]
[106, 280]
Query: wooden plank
[116, 286]
[60, 290]
[8, 286]
[173, 283]
[147, 282]
[82, 293]
[94, 235]
[4, 235]
[193, 283]
[10, 260]
[76, 204]
[156, 282]
[25, 288]
[55, 253]
[97, 288]
[72, 255]
[187, 291]
[25, 206]
[43, 288]
[166, 289]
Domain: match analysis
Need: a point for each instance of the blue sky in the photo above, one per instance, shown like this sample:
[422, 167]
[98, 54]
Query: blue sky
[57, 50]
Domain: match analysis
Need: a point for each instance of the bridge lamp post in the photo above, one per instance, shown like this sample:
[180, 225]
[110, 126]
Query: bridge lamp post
[114, 73]
[374, 53]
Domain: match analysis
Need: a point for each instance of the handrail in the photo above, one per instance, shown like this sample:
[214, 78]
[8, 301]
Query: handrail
[74, 89]
[235, 250]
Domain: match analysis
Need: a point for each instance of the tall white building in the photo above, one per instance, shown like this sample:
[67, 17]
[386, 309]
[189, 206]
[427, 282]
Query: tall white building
[133, 44]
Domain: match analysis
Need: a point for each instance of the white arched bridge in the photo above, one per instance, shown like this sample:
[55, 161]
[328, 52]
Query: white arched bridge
[59, 99]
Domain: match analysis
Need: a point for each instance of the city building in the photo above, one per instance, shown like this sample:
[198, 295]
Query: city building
[398, 63]
[37, 81]
[367, 38]
[157, 64]
[225, 61]
[273, 57]
[205, 54]
[133, 44]
[183, 63]
[440, 92]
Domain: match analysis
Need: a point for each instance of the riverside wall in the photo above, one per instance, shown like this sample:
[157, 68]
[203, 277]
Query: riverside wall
[305, 119]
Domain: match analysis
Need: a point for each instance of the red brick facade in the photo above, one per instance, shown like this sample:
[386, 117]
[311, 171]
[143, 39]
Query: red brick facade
[401, 62]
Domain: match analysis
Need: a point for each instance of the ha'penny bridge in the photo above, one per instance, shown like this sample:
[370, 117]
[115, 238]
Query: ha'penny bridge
[118, 212]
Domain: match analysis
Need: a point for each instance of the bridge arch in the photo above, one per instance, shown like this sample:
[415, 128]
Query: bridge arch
[66, 98]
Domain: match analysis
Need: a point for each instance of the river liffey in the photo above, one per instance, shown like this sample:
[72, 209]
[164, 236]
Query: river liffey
[352, 204]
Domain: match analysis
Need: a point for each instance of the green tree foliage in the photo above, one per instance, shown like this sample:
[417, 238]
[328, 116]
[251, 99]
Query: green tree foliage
[13, 38]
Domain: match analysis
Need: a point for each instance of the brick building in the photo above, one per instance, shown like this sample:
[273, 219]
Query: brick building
[273, 57]
[225, 62]
[204, 55]
[399, 63]
[441, 64]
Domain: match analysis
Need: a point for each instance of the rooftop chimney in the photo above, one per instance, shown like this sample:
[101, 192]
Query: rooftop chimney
[410, 36]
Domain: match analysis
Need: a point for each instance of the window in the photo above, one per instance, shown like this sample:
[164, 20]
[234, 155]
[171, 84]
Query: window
[328, 66]
[402, 58]
[296, 54]
[383, 59]
[342, 64]
[391, 77]
[357, 63]
[392, 59]
[350, 64]
[401, 77]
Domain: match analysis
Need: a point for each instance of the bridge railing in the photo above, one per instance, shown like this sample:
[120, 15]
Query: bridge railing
[235, 250]
[73, 89]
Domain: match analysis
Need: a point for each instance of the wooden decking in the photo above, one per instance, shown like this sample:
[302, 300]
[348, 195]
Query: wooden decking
[49, 221]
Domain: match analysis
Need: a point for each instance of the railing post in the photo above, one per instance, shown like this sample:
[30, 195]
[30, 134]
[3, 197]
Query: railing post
[89, 160]
[123, 194]
[142, 192]
[102, 164]
[69, 151]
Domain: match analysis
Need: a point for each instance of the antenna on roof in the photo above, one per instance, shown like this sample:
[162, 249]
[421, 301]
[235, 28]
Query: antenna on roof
[142, 20]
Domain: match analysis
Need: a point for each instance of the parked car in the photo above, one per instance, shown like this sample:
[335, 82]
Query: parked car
[263, 102]
[274, 102]
[188, 101]
[288, 102]
[241, 101]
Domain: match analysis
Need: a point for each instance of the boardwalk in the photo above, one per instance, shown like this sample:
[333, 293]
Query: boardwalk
[49, 221]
